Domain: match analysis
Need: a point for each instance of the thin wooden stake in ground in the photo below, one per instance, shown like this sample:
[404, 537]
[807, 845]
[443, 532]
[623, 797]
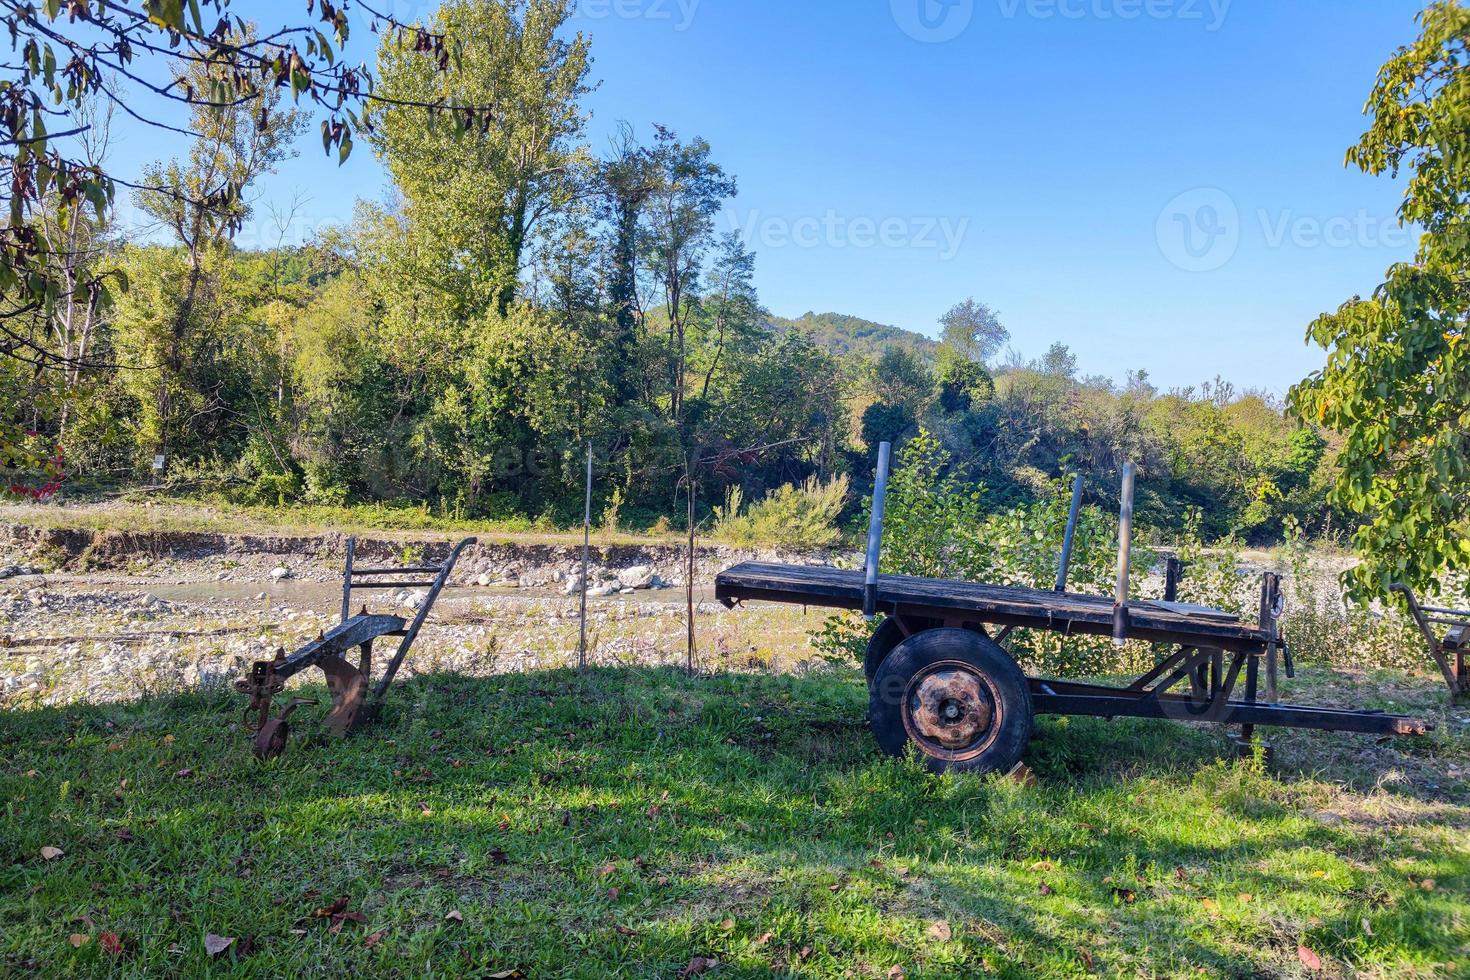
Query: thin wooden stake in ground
[689, 572]
[586, 544]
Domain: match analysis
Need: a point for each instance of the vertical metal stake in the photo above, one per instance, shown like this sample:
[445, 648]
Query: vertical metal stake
[1125, 545]
[1173, 568]
[586, 545]
[689, 577]
[875, 531]
[1071, 532]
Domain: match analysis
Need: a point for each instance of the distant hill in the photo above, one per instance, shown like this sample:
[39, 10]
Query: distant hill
[842, 334]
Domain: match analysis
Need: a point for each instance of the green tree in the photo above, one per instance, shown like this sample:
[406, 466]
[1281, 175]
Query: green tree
[973, 330]
[476, 187]
[1397, 378]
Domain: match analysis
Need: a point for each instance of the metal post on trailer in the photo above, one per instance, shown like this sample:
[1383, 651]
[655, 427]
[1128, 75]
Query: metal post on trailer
[1125, 545]
[1173, 570]
[1072, 513]
[875, 532]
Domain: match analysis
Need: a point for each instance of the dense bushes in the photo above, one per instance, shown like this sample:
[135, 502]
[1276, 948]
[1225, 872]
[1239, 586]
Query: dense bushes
[791, 516]
[937, 525]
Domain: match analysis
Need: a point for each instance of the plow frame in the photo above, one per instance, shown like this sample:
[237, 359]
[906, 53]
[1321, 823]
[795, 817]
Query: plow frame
[352, 704]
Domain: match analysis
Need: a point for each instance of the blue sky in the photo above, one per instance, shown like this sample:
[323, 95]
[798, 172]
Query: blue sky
[1156, 183]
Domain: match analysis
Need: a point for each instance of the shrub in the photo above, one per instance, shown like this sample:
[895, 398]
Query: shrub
[789, 517]
[326, 483]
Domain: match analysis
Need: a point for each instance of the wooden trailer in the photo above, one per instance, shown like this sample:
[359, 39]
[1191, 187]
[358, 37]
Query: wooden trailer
[940, 678]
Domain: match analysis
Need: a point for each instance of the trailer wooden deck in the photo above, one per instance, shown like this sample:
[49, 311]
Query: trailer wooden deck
[1201, 637]
[1062, 612]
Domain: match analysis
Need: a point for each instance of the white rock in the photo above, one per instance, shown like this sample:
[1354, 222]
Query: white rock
[637, 577]
[607, 588]
[483, 579]
[260, 595]
[280, 572]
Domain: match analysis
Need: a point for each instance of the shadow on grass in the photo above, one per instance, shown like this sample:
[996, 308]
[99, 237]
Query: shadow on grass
[624, 822]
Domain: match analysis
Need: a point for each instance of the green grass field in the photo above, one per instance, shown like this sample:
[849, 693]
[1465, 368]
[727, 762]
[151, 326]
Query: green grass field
[642, 823]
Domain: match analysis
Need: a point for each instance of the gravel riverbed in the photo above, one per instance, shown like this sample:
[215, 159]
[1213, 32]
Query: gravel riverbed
[156, 619]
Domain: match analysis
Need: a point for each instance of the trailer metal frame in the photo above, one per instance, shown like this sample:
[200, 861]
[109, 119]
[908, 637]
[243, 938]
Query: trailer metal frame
[1217, 668]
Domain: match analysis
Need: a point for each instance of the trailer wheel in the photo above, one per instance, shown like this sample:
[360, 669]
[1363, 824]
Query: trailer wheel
[957, 697]
[886, 638]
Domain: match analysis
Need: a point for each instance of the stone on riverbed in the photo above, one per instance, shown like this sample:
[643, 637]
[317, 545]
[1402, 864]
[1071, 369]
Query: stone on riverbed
[637, 577]
[280, 572]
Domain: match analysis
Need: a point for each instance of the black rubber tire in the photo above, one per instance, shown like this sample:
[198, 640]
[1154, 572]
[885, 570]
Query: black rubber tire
[885, 639]
[887, 636]
[1001, 743]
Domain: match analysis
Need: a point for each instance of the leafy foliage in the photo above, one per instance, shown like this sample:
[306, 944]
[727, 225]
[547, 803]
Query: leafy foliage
[1397, 380]
[803, 517]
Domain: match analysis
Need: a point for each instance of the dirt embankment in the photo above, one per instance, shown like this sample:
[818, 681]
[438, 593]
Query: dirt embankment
[320, 556]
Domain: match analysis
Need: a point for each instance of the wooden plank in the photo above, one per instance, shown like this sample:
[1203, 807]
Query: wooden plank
[1031, 608]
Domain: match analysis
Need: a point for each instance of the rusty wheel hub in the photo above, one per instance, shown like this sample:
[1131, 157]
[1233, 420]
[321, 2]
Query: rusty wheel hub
[950, 707]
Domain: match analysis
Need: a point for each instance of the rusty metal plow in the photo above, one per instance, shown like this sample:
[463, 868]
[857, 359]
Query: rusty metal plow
[348, 684]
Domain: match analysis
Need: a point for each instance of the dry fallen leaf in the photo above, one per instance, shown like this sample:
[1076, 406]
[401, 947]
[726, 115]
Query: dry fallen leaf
[1045, 889]
[184, 773]
[1244, 897]
[342, 918]
[700, 964]
[215, 945]
[110, 942]
[895, 972]
[454, 915]
[79, 939]
[1367, 927]
[607, 869]
[373, 938]
[1086, 957]
[1309, 959]
[1427, 884]
[727, 925]
[941, 931]
[613, 893]
[336, 908]
[52, 853]
[1022, 774]
[763, 938]
[1208, 903]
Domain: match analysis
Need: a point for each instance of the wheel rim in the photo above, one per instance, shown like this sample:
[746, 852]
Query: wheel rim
[951, 711]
